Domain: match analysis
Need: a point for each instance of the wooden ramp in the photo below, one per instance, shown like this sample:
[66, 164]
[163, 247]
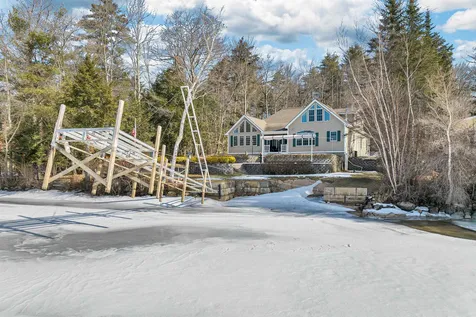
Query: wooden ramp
[124, 155]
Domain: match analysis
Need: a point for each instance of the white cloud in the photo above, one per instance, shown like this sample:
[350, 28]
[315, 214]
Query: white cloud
[463, 49]
[297, 57]
[281, 20]
[461, 20]
[447, 5]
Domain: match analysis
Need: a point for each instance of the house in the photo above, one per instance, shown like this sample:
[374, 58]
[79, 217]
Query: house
[314, 129]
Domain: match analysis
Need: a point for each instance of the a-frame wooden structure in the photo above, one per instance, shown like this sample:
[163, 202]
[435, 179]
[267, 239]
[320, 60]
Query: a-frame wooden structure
[124, 155]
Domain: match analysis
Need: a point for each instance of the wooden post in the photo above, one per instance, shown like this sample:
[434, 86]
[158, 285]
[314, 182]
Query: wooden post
[154, 164]
[134, 187]
[163, 184]
[115, 137]
[51, 156]
[95, 183]
[161, 172]
[204, 187]
[184, 189]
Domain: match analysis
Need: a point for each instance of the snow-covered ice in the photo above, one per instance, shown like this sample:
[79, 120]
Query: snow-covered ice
[271, 255]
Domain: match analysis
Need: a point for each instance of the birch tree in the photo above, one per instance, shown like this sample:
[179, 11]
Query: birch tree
[140, 37]
[193, 43]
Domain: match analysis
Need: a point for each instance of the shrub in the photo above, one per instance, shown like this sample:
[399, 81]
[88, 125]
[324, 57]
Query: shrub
[212, 159]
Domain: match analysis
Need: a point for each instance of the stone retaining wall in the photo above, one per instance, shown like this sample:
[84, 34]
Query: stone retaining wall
[345, 195]
[228, 189]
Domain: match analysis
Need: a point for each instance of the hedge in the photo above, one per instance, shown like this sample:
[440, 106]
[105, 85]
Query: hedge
[213, 159]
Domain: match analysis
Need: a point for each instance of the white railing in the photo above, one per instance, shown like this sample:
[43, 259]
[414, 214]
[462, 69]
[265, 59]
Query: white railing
[284, 148]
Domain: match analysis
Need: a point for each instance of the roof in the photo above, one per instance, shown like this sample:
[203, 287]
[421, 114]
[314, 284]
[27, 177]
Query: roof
[260, 123]
[280, 119]
[283, 118]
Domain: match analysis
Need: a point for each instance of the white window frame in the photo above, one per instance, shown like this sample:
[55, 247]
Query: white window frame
[235, 140]
[248, 140]
[254, 141]
[242, 140]
[333, 136]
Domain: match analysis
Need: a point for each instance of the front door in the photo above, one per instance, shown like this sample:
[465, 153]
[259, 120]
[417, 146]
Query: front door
[275, 146]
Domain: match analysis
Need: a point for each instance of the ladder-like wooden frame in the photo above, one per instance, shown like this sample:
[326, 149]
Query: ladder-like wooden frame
[125, 155]
[195, 130]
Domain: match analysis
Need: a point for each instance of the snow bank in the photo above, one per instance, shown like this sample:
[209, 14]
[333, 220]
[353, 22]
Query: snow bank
[389, 210]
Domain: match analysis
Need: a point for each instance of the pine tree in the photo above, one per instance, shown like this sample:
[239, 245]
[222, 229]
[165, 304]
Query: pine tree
[89, 97]
[106, 31]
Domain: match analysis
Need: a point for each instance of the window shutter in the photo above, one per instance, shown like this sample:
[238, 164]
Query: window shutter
[316, 141]
[294, 142]
[231, 141]
[257, 140]
[338, 136]
[328, 136]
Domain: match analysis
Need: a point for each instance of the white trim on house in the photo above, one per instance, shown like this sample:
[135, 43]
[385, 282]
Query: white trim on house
[323, 106]
[241, 120]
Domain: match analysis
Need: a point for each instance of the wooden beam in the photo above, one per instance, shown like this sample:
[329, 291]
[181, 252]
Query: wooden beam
[130, 170]
[204, 187]
[94, 190]
[161, 189]
[184, 189]
[154, 164]
[51, 155]
[161, 172]
[81, 165]
[115, 138]
[71, 168]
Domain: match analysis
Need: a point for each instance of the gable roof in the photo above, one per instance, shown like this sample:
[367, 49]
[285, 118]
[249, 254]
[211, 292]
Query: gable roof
[329, 109]
[257, 123]
[282, 119]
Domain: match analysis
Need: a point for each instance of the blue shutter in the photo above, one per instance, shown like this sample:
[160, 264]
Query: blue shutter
[338, 136]
[327, 116]
[257, 139]
[231, 141]
[294, 142]
[328, 136]
[316, 141]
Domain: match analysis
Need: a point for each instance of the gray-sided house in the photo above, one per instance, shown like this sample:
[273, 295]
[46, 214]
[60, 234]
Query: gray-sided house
[314, 129]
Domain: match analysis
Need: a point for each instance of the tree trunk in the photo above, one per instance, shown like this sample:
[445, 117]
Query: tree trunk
[180, 135]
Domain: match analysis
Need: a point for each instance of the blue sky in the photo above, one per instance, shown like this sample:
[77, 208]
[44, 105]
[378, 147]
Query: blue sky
[301, 31]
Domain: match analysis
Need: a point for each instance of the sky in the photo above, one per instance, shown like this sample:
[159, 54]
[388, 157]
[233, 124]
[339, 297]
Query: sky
[302, 31]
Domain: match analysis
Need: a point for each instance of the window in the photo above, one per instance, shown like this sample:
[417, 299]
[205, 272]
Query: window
[311, 114]
[304, 118]
[242, 140]
[327, 116]
[248, 127]
[235, 140]
[305, 142]
[333, 136]
[253, 140]
[254, 130]
[319, 114]
[236, 131]
[242, 127]
[299, 142]
[248, 140]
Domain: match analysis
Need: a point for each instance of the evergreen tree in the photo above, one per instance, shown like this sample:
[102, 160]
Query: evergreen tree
[106, 31]
[89, 97]
[332, 80]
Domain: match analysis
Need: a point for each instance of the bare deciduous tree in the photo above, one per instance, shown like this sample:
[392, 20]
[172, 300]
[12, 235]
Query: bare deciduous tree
[193, 43]
[141, 35]
[449, 107]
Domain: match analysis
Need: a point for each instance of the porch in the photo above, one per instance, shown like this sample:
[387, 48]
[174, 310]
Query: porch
[281, 143]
